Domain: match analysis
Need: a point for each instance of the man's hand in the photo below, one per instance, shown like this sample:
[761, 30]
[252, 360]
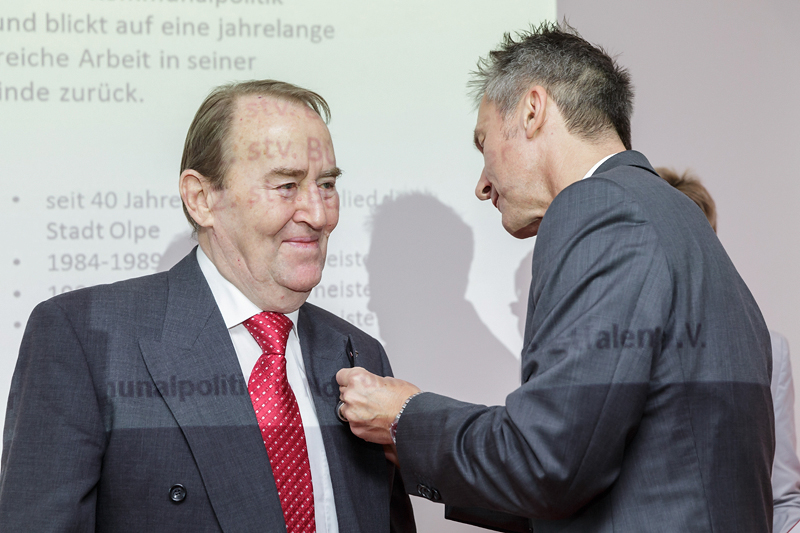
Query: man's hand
[371, 403]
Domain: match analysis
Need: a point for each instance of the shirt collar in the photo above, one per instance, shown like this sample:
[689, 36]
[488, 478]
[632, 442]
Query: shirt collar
[234, 306]
[597, 165]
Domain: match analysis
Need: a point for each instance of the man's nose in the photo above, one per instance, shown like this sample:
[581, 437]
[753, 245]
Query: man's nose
[484, 189]
[310, 207]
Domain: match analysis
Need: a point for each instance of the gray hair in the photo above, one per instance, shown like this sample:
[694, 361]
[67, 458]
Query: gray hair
[592, 92]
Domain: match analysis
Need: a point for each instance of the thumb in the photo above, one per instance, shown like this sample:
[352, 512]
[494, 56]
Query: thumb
[344, 376]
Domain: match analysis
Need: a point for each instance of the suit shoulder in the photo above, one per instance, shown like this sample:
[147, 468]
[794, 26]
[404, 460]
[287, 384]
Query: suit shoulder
[620, 183]
[109, 306]
[590, 194]
[628, 194]
[123, 293]
[592, 203]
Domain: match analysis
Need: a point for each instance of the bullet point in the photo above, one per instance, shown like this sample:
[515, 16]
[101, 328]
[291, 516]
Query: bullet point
[15, 199]
[17, 324]
[16, 294]
[16, 261]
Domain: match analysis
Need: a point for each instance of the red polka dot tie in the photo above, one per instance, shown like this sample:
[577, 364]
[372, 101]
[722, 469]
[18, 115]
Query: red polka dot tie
[280, 423]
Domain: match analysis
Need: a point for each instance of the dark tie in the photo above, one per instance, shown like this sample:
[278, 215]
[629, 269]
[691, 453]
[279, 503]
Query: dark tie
[280, 423]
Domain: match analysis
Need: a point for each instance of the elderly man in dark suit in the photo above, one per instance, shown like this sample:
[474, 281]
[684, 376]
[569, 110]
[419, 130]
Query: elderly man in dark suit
[203, 399]
[645, 402]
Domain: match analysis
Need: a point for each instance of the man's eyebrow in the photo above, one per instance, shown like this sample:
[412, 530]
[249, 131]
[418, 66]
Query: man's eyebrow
[288, 172]
[334, 172]
[476, 142]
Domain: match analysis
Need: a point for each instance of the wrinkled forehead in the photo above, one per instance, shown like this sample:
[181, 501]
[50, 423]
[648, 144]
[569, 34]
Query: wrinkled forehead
[260, 114]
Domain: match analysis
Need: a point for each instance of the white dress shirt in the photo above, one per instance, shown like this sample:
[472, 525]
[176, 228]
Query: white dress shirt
[786, 466]
[597, 165]
[235, 309]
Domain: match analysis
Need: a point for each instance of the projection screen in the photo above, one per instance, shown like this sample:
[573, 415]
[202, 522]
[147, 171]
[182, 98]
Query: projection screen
[96, 97]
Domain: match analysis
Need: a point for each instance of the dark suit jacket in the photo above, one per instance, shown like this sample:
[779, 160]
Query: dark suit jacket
[645, 403]
[123, 391]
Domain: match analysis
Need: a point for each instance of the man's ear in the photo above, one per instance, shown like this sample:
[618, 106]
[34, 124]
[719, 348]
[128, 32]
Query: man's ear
[195, 190]
[534, 109]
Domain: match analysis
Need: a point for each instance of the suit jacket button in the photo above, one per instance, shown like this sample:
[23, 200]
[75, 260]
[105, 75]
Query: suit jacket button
[177, 493]
[435, 496]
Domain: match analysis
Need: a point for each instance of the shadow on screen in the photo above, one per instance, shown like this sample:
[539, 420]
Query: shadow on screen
[418, 265]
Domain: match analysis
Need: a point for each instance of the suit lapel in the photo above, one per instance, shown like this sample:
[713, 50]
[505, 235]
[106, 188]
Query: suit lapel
[324, 353]
[358, 469]
[195, 367]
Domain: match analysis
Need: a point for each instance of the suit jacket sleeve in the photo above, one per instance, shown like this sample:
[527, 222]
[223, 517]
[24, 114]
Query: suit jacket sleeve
[599, 300]
[54, 437]
[786, 468]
